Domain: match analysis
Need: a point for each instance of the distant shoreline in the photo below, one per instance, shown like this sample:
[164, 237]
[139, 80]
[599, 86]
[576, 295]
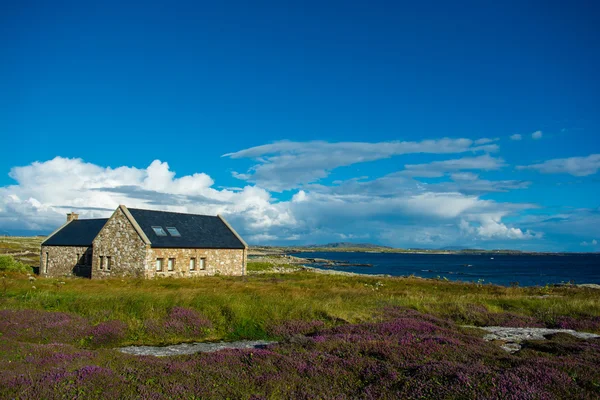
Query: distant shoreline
[265, 250]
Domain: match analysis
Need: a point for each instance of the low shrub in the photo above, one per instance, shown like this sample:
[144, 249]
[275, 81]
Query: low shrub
[9, 264]
[405, 354]
[107, 333]
[582, 323]
[42, 326]
[289, 329]
[180, 321]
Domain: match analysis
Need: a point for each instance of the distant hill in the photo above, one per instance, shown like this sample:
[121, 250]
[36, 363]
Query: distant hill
[341, 245]
[458, 248]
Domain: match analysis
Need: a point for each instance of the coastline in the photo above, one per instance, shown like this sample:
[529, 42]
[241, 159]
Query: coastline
[332, 265]
[344, 273]
[272, 251]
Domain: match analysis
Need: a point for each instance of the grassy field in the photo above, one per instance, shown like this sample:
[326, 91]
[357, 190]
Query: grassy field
[23, 249]
[390, 337]
[243, 307]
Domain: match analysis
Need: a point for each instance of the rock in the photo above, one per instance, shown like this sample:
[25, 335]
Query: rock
[192, 348]
[589, 285]
[517, 335]
[511, 347]
[512, 337]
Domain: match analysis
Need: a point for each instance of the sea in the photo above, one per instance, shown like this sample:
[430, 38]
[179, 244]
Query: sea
[499, 269]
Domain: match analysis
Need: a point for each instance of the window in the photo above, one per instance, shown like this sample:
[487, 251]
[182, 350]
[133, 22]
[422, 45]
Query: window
[159, 231]
[192, 264]
[159, 264]
[171, 264]
[203, 263]
[108, 263]
[173, 231]
[46, 264]
[101, 262]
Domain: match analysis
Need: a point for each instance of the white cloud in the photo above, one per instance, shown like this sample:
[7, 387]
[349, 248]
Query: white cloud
[591, 243]
[536, 135]
[393, 208]
[439, 168]
[516, 136]
[577, 166]
[477, 186]
[286, 165]
[45, 191]
[464, 176]
[489, 226]
[486, 141]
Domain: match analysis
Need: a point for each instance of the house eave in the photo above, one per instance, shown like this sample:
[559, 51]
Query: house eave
[197, 247]
[66, 245]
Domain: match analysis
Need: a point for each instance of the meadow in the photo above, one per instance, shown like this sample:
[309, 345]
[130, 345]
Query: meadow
[339, 337]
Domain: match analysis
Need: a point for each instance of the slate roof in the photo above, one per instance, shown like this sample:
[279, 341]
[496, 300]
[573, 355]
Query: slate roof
[79, 232]
[197, 231]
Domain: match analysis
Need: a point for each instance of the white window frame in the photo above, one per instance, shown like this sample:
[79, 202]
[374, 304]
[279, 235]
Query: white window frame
[193, 264]
[202, 263]
[171, 264]
[159, 264]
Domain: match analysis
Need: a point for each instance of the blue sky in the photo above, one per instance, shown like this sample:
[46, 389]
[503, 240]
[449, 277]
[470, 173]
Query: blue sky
[411, 125]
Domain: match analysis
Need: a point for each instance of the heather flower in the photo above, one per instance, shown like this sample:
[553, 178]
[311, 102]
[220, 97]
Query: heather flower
[107, 333]
[288, 329]
[180, 321]
[585, 324]
[42, 326]
[403, 354]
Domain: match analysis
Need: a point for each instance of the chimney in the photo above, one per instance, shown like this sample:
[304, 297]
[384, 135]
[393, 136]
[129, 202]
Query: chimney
[72, 216]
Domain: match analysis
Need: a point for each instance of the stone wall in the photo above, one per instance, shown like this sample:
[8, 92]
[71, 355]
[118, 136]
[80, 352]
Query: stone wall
[127, 251]
[218, 262]
[56, 261]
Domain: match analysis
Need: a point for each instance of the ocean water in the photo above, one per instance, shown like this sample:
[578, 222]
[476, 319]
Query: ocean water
[526, 270]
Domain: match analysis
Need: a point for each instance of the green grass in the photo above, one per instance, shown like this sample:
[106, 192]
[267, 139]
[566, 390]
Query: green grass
[23, 249]
[255, 266]
[244, 307]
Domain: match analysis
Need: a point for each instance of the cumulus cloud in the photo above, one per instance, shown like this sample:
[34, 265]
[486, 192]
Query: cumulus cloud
[516, 136]
[393, 209]
[490, 226]
[46, 190]
[577, 166]
[536, 135]
[286, 165]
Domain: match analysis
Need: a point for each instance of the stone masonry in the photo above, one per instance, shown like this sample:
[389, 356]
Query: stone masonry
[57, 261]
[119, 241]
[217, 262]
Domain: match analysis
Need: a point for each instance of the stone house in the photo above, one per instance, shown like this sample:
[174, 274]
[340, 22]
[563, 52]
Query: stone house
[144, 244]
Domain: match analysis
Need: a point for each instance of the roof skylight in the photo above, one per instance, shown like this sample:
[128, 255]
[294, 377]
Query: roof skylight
[173, 231]
[159, 230]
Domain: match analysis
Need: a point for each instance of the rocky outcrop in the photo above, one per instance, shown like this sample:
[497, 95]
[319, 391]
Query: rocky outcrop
[513, 337]
[191, 348]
